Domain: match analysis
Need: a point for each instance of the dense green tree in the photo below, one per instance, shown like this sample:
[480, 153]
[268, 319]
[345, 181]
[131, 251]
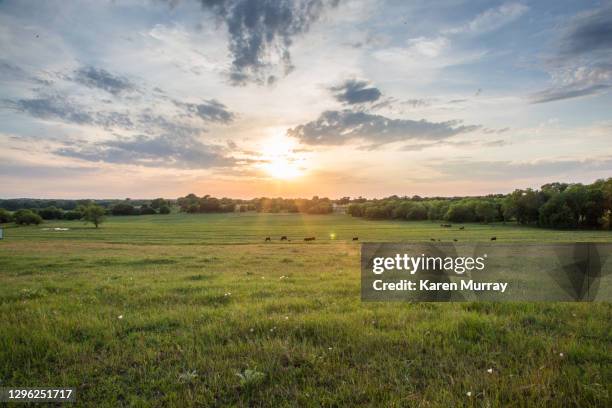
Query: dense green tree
[51, 213]
[123, 209]
[73, 215]
[26, 217]
[557, 213]
[486, 211]
[146, 210]
[5, 216]
[93, 213]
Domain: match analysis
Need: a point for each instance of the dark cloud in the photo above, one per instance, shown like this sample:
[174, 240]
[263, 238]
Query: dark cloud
[355, 92]
[158, 151]
[589, 33]
[58, 107]
[339, 127]
[210, 111]
[101, 79]
[261, 28]
[582, 66]
[53, 107]
[557, 94]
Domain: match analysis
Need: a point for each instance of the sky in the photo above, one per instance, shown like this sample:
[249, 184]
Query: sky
[252, 98]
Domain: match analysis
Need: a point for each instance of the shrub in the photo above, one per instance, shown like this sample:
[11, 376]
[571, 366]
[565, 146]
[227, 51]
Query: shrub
[73, 215]
[123, 209]
[146, 210]
[164, 209]
[26, 217]
[51, 213]
[5, 216]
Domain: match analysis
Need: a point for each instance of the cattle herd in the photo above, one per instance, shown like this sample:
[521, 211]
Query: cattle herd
[308, 239]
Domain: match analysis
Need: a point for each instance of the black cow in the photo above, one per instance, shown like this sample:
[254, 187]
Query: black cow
[455, 239]
[461, 228]
[355, 238]
[284, 238]
[268, 239]
[309, 239]
[493, 238]
[432, 239]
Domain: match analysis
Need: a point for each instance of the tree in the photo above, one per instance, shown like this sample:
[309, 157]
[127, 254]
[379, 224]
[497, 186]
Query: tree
[73, 215]
[164, 209]
[146, 210]
[556, 213]
[158, 203]
[94, 213]
[51, 213]
[486, 211]
[26, 217]
[5, 216]
[123, 209]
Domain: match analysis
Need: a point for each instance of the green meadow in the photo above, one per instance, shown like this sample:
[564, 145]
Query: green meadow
[197, 310]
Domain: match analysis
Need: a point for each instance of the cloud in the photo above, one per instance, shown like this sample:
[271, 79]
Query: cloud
[210, 111]
[57, 107]
[558, 94]
[339, 127]
[558, 168]
[416, 103]
[261, 33]
[157, 151]
[99, 78]
[492, 19]
[53, 107]
[582, 66]
[589, 33]
[29, 170]
[355, 92]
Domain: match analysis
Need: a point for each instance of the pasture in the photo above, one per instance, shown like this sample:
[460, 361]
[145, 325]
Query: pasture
[198, 310]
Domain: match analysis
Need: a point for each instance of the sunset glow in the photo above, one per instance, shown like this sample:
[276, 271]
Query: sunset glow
[280, 160]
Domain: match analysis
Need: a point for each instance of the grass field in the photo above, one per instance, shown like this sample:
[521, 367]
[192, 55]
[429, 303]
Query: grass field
[196, 310]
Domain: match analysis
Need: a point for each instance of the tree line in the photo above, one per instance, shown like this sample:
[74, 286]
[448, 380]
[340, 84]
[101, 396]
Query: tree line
[554, 205]
[207, 204]
[31, 211]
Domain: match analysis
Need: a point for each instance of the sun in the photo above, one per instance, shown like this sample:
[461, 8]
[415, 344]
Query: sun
[280, 160]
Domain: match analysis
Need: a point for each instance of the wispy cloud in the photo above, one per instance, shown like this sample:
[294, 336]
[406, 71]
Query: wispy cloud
[582, 65]
[491, 19]
[101, 79]
[157, 151]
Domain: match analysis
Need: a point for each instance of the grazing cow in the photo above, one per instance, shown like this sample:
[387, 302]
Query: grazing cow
[455, 239]
[284, 238]
[461, 228]
[493, 238]
[355, 238]
[268, 239]
[432, 239]
[309, 239]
